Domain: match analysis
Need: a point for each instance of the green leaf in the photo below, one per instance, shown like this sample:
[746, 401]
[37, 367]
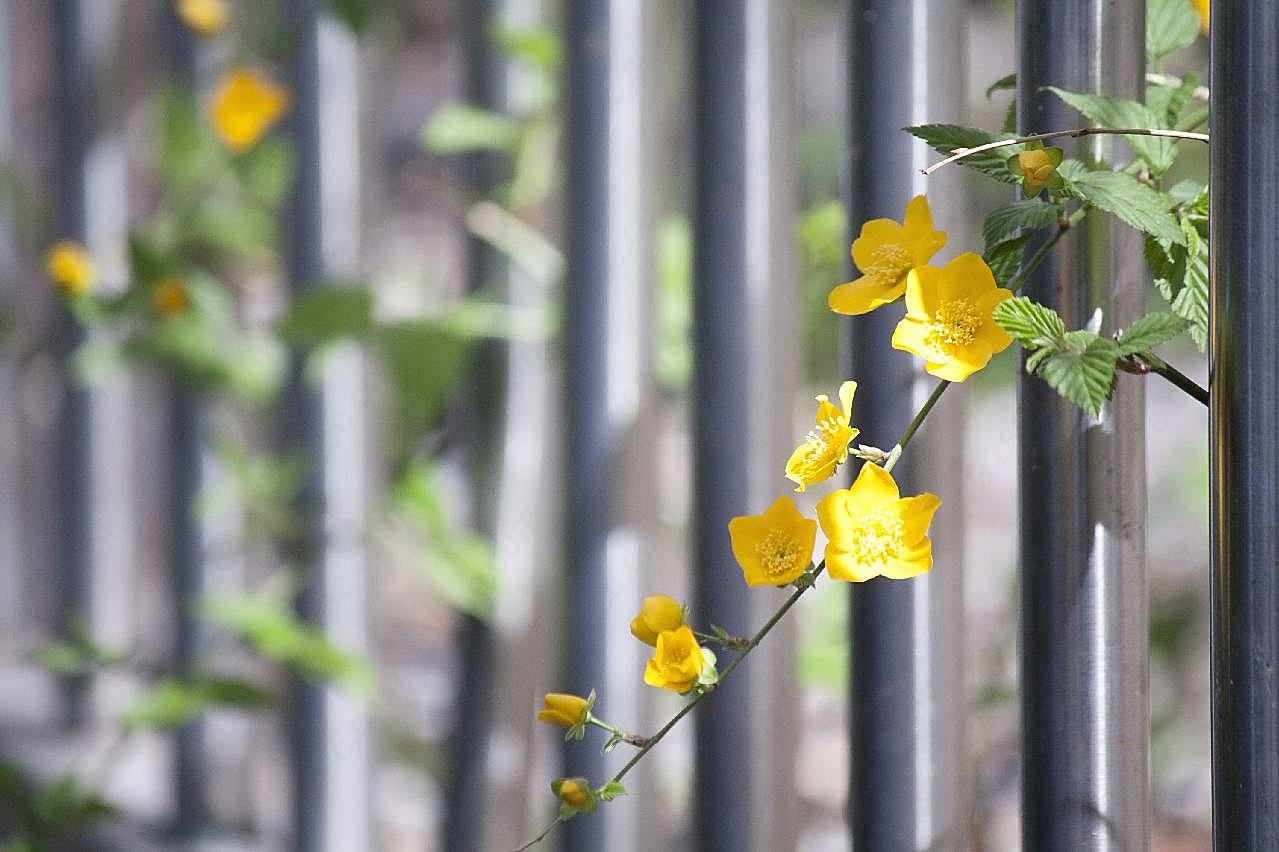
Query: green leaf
[1157, 152]
[1005, 259]
[187, 151]
[326, 314]
[1180, 272]
[1003, 223]
[267, 169]
[1030, 323]
[1130, 200]
[168, 704]
[1083, 370]
[947, 138]
[457, 128]
[539, 46]
[423, 362]
[1168, 100]
[1008, 81]
[673, 311]
[61, 658]
[354, 13]
[610, 791]
[1170, 25]
[234, 692]
[1150, 331]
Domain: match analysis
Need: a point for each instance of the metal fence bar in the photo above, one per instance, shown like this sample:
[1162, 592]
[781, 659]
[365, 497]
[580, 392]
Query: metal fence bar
[906, 694]
[472, 708]
[1244, 176]
[721, 352]
[1084, 613]
[587, 27]
[73, 118]
[186, 559]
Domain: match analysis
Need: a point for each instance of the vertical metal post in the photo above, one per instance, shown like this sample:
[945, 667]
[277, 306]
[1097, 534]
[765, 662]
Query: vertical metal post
[73, 119]
[473, 711]
[720, 386]
[1085, 713]
[1244, 176]
[186, 559]
[906, 685]
[589, 68]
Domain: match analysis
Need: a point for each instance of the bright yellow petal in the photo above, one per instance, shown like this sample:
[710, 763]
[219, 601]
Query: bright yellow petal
[862, 296]
[921, 292]
[840, 565]
[846, 391]
[919, 235]
[994, 336]
[875, 233]
[917, 514]
[912, 336]
[873, 488]
[911, 562]
[951, 371]
[967, 276]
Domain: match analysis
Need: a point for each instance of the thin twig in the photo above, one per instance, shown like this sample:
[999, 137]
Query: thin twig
[540, 837]
[961, 153]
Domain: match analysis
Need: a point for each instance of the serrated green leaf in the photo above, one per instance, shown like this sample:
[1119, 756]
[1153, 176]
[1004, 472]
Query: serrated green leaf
[1192, 302]
[610, 791]
[1130, 200]
[1170, 25]
[1005, 259]
[1168, 100]
[1083, 371]
[326, 314]
[1003, 223]
[458, 128]
[1150, 331]
[947, 138]
[1180, 273]
[1158, 152]
[1032, 324]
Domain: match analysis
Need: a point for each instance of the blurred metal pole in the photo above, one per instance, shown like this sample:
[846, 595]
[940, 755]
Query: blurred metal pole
[587, 511]
[328, 727]
[721, 353]
[472, 709]
[906, 689]
[1244, 176]
[1084, 613]
[73, 118]
[186, 558]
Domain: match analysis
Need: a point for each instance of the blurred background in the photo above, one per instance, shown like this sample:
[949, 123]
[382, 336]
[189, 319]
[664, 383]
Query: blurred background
[292, 463]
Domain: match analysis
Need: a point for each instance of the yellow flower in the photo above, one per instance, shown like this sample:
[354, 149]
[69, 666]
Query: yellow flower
[207, 17]
[884, 253]
[658, 614]
[575, 793]
[677, 663]
[567, 710]
[826, 447]
[1201, 6]
[948, 317]
[170, 297]
[773, 548]
[874, 531]
[70, 267]
[1036, 168]
[245, 106]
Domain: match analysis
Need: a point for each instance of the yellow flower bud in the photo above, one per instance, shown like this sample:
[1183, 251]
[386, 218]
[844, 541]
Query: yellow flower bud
[563, 709]
[658, 614]
[677, 661]
[206, 17]
[574, 795]
[170, 297]
[70, 267]
[1036, 168]
[245, 106]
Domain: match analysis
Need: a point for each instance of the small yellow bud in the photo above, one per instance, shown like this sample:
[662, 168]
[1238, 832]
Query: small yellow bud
[563, 709]
[1036, 168]
[206, 17]
[170, 297]
[245, 106]
[575, 795]
[658, 614]
[70, 268]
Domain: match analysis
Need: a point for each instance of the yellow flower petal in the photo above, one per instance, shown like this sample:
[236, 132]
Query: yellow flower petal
[872, 531]
[913, 337]
[921, 292]
[70, 267]
[658, 613]
[885, 252]
[677, 661]
[921, 238]
[774, 548]
[206, 17]
[911, 562]
[245, 107]
[826, 446]
[875, 234]
[862, 296]
[1202, 7]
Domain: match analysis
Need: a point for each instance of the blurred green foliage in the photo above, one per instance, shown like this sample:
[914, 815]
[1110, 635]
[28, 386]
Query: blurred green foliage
[42, 818]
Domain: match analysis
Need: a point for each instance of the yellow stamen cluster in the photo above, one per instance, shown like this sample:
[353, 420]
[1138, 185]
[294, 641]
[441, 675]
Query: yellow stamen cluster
[956, 323]
[778, 553]
[889, 262]
[877, 537]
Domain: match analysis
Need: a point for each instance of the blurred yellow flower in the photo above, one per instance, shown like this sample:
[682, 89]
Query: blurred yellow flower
[568, 710]
[245, 106]
[70, 268]
[874, 531]
[575, 793]
[884, 253]
[170, 297]
[948, 317]
[1201, 6]
[677, 662]
[826, 447]
[207, 17]
[773, 548]
[657, 614]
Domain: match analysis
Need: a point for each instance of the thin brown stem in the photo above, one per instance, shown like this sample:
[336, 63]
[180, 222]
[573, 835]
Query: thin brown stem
[1059, 134]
